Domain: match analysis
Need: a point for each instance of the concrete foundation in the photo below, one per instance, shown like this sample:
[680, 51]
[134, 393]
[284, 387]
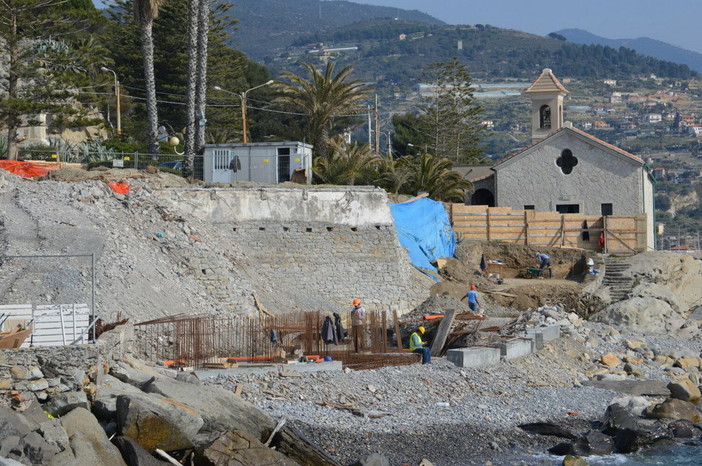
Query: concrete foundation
[536, 338]
[265, 368]
[474, 357]
[551, 332]
[515, 348]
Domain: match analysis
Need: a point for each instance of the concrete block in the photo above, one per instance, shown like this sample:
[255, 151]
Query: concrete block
[474, 357]
[551, 332]
[536, 338]
[515, 348]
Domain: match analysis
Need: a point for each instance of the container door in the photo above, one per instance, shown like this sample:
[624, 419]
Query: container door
[220, 166]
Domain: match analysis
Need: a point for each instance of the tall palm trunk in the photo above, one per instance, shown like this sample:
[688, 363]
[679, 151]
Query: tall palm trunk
[193, 10]
[145, 11]
[147, 50]
[201, 96]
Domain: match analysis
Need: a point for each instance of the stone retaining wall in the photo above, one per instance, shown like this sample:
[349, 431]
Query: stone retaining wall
[302, 248]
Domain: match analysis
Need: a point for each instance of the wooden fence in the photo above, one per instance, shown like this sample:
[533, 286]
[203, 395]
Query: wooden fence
[622, 234]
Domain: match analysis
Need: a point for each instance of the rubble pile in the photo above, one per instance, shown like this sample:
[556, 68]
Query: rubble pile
[80, 405]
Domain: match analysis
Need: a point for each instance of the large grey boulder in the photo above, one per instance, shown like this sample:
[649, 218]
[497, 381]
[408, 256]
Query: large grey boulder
[89, 443]
[674, 409]
[684, 389]
[14, 423]
[220, 409]
[54, 434]
[157, 422]
[643, 314]
[241, 448]
[134, 455]
[63, 403]
[105, 403]
[36, 450]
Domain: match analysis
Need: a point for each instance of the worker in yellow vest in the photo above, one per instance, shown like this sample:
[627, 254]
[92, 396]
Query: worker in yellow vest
[417, 345]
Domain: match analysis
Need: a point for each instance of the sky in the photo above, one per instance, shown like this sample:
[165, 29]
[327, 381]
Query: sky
[677, 22]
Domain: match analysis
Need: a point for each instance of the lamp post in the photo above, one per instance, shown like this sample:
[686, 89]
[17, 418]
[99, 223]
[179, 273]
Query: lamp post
[242, 95]
[119, 118]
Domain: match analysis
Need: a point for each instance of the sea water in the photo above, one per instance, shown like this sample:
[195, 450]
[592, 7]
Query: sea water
[672, 455]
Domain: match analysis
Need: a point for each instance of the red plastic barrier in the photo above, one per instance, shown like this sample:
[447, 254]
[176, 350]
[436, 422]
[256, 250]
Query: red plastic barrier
[29, 169]
[121, 187]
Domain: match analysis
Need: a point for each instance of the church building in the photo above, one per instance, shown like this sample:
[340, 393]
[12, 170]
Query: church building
[567, 170]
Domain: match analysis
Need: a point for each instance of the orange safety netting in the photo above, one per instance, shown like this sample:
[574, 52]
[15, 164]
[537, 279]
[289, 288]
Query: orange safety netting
[120, 187]
[29, 169]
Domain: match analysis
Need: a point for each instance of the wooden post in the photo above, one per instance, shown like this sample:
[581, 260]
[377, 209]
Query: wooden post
[526, 228]
[562, 230]
[604, 232]
[398, 337]
[487, 223]
[443, 332]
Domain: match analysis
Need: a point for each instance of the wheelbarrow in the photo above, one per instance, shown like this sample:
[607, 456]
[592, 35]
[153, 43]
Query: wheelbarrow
[535, 272]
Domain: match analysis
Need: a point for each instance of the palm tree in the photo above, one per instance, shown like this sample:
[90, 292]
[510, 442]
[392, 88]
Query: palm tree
[394, 174]
[347, 163]
[203, 16]
[323, 98]
[188, 165]
[145, 11]
[434, 176]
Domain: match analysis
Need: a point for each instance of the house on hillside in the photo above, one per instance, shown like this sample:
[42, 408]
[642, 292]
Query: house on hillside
[567, 170]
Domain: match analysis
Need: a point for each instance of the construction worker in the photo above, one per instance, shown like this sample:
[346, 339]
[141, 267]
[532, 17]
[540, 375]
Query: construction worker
[358, 318]
[472, 296]
[544, 262]
[417, 345]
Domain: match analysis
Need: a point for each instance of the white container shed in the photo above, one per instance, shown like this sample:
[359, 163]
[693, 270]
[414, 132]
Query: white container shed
[261, 162]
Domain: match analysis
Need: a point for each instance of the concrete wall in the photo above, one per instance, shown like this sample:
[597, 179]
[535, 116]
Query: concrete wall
[533, 178]
[353, 206]
[307, 249]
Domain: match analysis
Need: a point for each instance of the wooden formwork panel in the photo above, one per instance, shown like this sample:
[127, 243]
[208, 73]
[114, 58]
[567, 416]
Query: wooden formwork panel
[480, 223]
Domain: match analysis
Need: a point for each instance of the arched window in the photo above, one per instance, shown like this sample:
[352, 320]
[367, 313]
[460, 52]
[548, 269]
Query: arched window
[545, 117]
[567, 161]
[483, 196]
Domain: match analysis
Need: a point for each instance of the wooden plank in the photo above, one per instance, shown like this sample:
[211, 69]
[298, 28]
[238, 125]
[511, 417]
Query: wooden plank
[397, 329]
[437, 345]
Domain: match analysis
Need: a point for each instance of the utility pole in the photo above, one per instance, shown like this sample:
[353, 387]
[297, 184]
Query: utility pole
[377, 126]
[370, 127]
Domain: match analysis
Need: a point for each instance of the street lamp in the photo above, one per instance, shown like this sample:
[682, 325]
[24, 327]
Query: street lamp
[119, 118]
[242, 96]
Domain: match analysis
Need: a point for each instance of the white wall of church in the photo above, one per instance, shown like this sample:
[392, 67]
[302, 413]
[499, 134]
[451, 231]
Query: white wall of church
[534, 179]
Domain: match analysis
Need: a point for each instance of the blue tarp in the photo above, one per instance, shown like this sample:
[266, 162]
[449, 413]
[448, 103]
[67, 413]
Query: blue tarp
[424, 229]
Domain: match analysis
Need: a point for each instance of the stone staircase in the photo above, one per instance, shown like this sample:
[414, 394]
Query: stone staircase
[619, 285]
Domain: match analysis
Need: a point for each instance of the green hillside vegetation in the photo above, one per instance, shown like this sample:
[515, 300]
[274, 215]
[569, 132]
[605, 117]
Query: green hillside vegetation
[488, 52]
[268, 25]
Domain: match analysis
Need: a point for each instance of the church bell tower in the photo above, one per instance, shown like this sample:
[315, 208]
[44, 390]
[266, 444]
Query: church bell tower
[546, 94]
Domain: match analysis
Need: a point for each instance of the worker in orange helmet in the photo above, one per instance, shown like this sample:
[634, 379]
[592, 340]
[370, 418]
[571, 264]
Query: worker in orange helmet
[358, 318]
[473, 302]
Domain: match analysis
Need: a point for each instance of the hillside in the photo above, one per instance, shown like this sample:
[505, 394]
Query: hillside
[394, 52]
[642, 45]
[266, 26]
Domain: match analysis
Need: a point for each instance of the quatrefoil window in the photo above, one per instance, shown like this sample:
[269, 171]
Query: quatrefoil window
[567, 161]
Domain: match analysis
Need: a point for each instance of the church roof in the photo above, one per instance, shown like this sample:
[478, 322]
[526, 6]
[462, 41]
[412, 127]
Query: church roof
[546, 82]
[583, 135]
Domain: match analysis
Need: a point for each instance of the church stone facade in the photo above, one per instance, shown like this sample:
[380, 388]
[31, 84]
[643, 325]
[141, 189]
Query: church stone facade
[568, 170]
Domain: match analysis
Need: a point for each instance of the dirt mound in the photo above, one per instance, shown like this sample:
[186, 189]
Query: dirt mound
[566, 263]
[75, 173]
[525, 294]
[436, 304]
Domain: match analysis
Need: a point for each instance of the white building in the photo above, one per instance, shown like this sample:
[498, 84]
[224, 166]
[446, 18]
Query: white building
[261, 162]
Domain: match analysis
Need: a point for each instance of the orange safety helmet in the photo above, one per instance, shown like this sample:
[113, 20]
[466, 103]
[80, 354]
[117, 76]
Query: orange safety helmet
[473, 287]
[356, 302]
